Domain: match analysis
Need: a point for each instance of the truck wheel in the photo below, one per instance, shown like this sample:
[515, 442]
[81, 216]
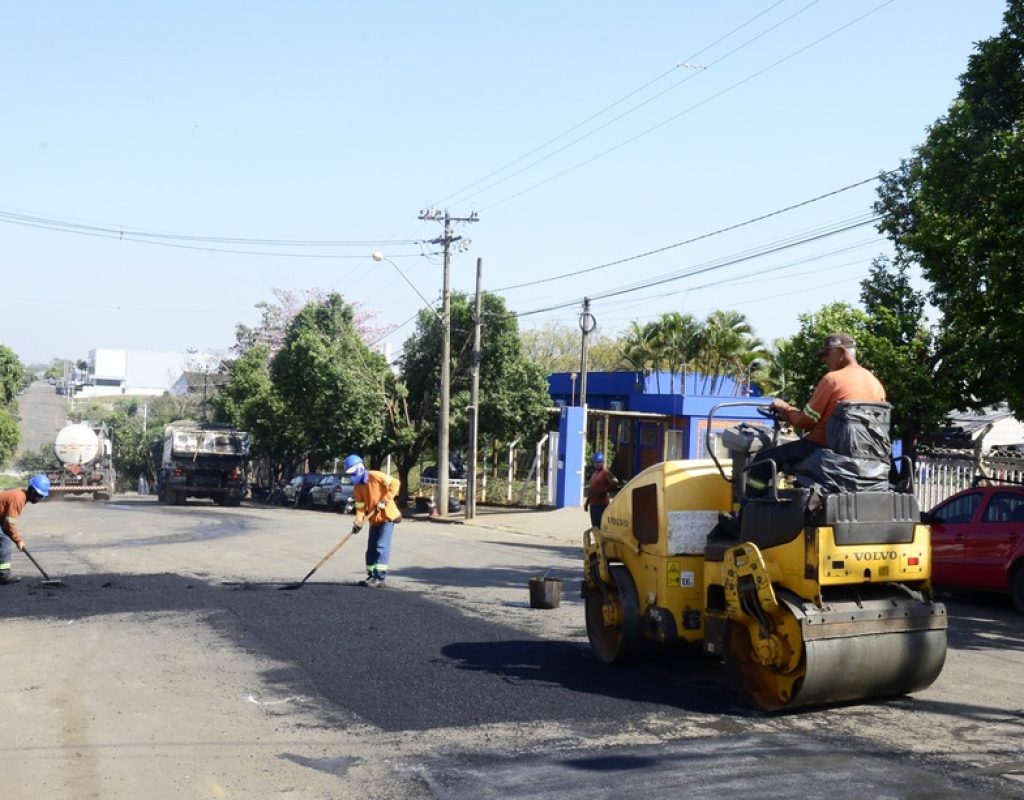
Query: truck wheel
[1017, 586]
[621, 640]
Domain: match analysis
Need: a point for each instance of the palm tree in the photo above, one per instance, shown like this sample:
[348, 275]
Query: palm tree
[638, 347]
[677, 341]
[728, 347]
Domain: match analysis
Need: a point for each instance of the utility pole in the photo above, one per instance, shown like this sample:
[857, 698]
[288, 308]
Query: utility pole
[474, 396]
[447, 239]
[587, 325]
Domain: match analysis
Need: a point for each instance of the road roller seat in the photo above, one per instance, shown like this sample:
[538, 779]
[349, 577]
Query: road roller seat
[768, 522]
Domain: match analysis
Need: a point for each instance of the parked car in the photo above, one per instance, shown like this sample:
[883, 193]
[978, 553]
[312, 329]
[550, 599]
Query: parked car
[978, 540]
[342, 495]
[296, 493]
[320, 494]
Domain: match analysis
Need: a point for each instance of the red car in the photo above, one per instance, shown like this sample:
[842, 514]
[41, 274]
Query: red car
[978, 540]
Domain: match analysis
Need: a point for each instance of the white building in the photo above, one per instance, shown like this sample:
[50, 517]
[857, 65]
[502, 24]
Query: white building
[138, 372]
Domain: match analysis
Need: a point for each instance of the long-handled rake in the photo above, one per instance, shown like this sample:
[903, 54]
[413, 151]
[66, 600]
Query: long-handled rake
[320, 563]
[47, 580]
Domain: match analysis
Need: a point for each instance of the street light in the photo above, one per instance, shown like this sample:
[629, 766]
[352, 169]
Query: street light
[378, 256]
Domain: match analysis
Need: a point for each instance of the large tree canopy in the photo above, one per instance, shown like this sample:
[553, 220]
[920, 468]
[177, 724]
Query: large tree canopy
[329, 382]
[955, 208]
[513, 392]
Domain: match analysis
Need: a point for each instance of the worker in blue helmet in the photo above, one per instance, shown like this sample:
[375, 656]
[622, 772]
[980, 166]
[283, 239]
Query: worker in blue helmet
[12, 503]
[375, 494]
[599, 488]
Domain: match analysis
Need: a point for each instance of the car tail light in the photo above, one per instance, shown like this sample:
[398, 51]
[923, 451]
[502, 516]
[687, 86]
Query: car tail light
[179, 472]
[236, 473]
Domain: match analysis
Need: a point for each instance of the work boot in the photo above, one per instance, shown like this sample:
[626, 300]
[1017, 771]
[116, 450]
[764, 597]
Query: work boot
[6, 577]
[371, 582]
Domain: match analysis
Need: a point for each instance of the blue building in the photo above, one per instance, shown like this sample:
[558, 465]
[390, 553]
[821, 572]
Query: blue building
[643, 419]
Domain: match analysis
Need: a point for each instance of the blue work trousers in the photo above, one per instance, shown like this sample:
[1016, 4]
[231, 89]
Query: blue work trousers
[6, 548]
[378, 549]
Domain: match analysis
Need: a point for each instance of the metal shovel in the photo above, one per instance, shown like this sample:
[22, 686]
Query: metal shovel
[320, 563]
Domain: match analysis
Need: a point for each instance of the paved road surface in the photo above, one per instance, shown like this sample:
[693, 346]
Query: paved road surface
[172, 667]
[43, 413]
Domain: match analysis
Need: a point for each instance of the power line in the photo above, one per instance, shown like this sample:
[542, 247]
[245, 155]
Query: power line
[647, 101]
[749, 255]
[70, 226]
[694, 107]
[684, 64]
[703, 236]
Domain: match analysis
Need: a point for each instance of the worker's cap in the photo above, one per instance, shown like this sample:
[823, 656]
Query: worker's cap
[834, 340]
[598, 457]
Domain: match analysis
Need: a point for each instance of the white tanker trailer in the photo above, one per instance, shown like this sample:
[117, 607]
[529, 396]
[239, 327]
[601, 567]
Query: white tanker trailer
[84, 461]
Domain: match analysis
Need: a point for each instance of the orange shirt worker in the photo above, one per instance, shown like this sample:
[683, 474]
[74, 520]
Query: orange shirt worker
[12, 503]
[845, 380]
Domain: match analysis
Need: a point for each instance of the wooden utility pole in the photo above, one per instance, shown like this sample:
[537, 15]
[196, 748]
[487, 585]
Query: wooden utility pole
[474, 396]
[444, 416]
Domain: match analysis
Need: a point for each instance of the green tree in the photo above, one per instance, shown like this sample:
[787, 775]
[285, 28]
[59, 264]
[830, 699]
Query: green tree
[638, 347]
[9, 436]
[727, 347]
[249, 401]
[903, 353]
[12, 376]
[513, 392]
[329, 383]
[556, 347]
[954, 208]
[677, 340]
[12, 380]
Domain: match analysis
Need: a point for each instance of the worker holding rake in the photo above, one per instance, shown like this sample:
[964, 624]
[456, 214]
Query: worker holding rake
[12, 503]
[375, 494]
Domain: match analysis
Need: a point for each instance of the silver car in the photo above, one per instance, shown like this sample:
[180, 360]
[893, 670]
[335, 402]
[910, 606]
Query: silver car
[343, 496]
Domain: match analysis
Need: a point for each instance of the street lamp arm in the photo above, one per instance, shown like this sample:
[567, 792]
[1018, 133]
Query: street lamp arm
[378, 257]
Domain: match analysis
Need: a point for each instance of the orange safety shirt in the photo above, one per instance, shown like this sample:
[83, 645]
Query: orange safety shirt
[11, 504]
[378, 487]
[851, 382]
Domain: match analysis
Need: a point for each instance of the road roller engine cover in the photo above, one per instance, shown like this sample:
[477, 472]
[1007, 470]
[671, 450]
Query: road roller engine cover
[818, 592]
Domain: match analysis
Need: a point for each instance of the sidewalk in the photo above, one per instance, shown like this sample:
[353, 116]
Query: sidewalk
[565, 525]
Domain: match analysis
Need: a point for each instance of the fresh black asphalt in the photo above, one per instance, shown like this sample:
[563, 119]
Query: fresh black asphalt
[396, 659]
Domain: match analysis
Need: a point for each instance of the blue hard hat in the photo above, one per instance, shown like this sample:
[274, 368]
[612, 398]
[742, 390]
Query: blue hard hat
[41, 484]
[353, 463]
[599, 457]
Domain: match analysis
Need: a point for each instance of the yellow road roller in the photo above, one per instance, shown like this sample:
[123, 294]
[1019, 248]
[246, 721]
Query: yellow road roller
[818, 592]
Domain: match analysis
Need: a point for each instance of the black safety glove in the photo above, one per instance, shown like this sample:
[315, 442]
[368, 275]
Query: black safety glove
[356, 527]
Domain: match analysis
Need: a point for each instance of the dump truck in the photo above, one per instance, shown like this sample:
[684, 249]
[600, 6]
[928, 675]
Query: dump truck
[202, 459]
[84, 465]
[818, 592]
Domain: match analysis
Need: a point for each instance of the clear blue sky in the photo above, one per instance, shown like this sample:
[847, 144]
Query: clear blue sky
[339, 121]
